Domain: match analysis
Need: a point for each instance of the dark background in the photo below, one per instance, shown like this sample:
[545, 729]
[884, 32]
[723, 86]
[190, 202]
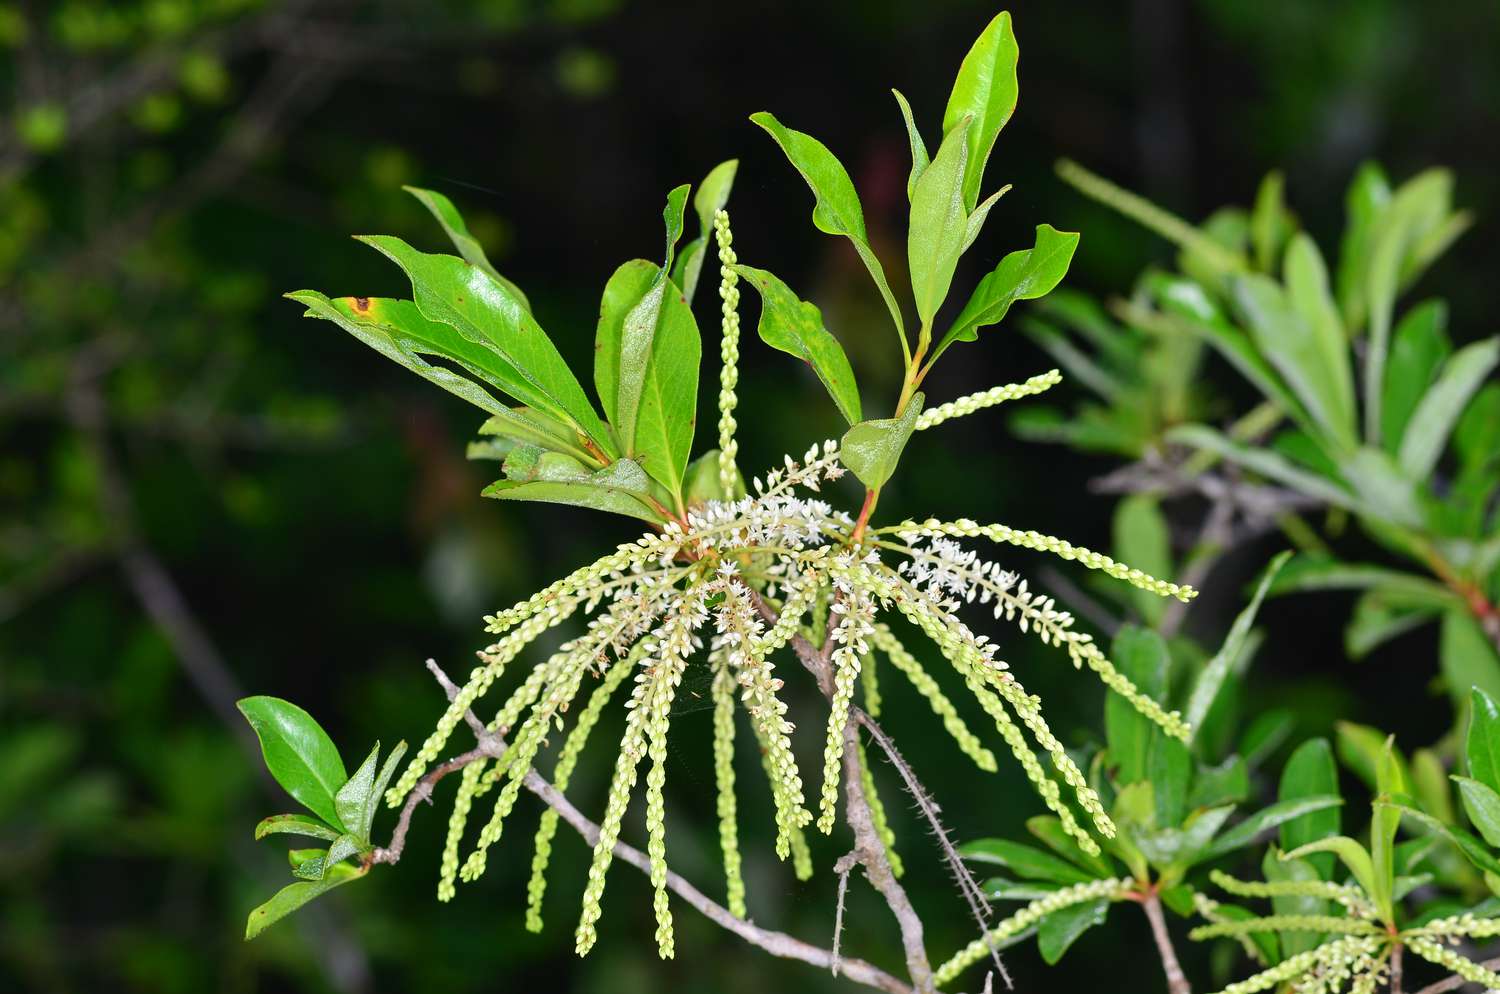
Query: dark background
[311, 504]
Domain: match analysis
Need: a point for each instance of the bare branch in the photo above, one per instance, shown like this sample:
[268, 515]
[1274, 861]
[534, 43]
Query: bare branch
[1177, 982]
[1454, 982]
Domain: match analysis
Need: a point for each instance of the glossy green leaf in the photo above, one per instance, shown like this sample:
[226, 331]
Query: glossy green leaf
[655, 390]
[298, 754]
[1142, 540]
[1390, 780]
[1049, 829]
[1296, 351]
[795, 327]
[1272, 816]
[1468, 658]
[1267, 731]
[382, 779]
[1482, 804]
[294, 896]
[1226, 783]
[837, 210]
[295, 824]
[975, 224]
[449, 290]
[1141, 655]
[919, 158]
[1472, 849]
[1477, 437]
[1000, 889]
[356, 800]
[1023, 860]
[398, 331]
[1310, 772]
[1482, 740]
[939, 223]
[712, 195]
[986, 91]
[1226, 660]
[1059, 930]
[1023, 275]
[1173, 849]
[1419, 347]
[871, 449]
[468, 246]
[620, 488]
[1432, 422]
[1350, 853]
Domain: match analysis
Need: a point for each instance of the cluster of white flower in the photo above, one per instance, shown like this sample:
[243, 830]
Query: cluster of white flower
[764, 568]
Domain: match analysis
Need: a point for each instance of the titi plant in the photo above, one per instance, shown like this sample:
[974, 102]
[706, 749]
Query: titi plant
[739, 575]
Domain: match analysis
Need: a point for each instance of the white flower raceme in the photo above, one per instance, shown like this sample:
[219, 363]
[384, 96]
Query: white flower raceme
[746, 576]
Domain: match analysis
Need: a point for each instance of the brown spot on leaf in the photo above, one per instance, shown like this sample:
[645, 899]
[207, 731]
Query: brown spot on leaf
[362, 304]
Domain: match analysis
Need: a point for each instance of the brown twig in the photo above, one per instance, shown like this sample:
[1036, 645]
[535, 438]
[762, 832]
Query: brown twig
[778, 944]
[1454, 982]
[1396, 972]
[1177, 982]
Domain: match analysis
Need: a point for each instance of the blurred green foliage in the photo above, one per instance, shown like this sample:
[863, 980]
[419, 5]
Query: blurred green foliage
[167, 167]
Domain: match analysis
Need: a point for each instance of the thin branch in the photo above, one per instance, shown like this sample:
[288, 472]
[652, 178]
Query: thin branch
[1177, 982]
[843, 868]
[1396, 973]
[778, 944]
[1454, 982]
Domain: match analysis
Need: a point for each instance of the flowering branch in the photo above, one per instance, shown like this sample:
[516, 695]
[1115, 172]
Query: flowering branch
[493, 745]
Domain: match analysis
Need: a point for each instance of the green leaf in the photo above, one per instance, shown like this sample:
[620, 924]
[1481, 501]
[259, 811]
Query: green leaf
[1059, 930]
[387, 770]
[468, 246]
[1049, 829]
[1309, 572]
[1473, 850]
[1296, 351]
[295, 824]
[1023, 275]
[1482, 742]
[620, 488]
[1226, 783]
[871, 449]
[1310, 772]
[1477, 437]
[1246, 832]
[975, 224]
[343, 847]
[1270, 223]
[1390, 780]
[1483, 807]
[1023, 860]
[456, 293]
[647, 354]
[1142, 540]
[1141, 655]
[712, 195]
[1419, 207]
[795, 327]
[1468, 659]
[356, 799]
[1429, 781]
[702, 483]
[837, 210]
[1349, 852]
[1306, 278]
[294, 896]
[1418, 348]
[1226, 660]
[1000, 889]
[938, 225]
[298, 754]
[1278, 870]
[986, 91]
[1362, 750]
[919, 158]
[1268, 464]
[398, 331]
[1365, 201]
[309, 864]
[1431, 423]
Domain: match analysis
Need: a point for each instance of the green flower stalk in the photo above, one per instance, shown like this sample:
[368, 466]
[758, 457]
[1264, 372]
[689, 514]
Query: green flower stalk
[729, 842]
[729, 353]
